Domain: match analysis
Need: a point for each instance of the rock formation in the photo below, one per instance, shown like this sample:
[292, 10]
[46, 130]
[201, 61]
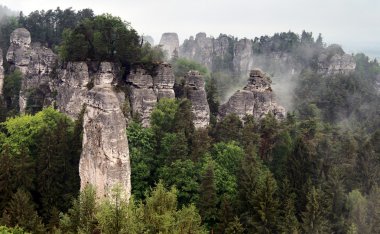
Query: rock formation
[36, 63]
[243, 57]
[200, 49]
[195, 92]
[1, 73]
[255, 99]
[142, 97]
[105, 156]
[163, 82]
[334, 60]
[146, 90]
[170, 44]
[73, 88]
[148, 39]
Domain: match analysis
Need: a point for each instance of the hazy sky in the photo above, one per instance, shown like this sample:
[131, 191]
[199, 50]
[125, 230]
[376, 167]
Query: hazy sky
[355, 24]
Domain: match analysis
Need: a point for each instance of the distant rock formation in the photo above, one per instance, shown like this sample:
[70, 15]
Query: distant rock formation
[255, 99]
[148, 39]
[170, 44]
[1, 73]
[105, 155]
[335, 61]
[146, 90]
[36, 63]
[243, 57]
[200, 49]
[195, 92]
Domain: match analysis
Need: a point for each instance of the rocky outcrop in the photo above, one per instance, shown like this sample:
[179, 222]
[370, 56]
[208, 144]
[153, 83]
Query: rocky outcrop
[36, 63]
[170, 44]
[146, 90]
[255, 99]
[1, 73]
[163, 81]
[148, 39]
[200, 49]
[142, 97]
[72, 89]
[335, 61]
[243, 57]
[105, 156]
[195, 92]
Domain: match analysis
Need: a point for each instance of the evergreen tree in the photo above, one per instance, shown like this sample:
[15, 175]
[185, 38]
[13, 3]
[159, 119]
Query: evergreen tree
[208, 199]
[20, 211]
[314, 217]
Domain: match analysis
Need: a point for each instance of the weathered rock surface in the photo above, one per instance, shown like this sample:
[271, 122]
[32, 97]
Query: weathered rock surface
[142, 96]
[36, 63]
[146, 90]
[195, 92]
[163, 82]
[72, 88]
[255, 99]
[170, 44]
[335, 61]
[1, 73]
[148, 39]
[105, 156]
[243, 57]
[200, 49]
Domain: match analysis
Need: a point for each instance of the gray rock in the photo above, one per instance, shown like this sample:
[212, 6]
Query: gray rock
[255, 99]
[142, 96]
[170, 44]
[148, 39]
[73, 88]
[243, 57]
[195, 92]
[105, 156]
[35, 62]
[163, 82]
[334, 61]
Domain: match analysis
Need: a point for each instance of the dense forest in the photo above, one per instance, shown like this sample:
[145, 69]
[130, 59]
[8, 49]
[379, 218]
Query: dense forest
[317, 171]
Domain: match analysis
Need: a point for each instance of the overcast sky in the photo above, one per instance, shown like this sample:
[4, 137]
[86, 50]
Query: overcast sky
[355, 24]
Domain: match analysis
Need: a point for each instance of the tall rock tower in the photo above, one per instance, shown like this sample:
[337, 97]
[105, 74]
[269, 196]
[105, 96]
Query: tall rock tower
[170, 44]
[104, 162]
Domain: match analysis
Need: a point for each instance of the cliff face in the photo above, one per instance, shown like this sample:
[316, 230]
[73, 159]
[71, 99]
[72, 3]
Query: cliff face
[146, 90]
[338, 64]
[170, 44]
[200, 49]
[141, 96]
[255, 99]
[243, 57]
[36, 64]
[105, 156]
[195, 92]
[72, 88]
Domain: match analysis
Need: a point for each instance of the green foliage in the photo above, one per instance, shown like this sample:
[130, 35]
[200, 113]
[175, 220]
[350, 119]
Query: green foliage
[11, 91]
[182, 66]
[15, 230]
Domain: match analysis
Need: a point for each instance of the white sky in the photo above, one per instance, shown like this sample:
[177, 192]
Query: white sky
[355, 24]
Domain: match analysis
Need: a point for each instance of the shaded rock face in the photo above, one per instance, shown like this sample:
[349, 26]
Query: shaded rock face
[195, 92]
[105, 156]
[36, 63]
[1, 73]
[142, 97]
[255, 99]
[72, 88]
[337, 64]
[243, 57]
[170, 44]
[200, 49]
[163, 82]
[146, 90]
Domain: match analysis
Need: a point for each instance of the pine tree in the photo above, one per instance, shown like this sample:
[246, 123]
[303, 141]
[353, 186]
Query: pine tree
[313, 218]
[20, 211]
[208, 199]
[288, 221]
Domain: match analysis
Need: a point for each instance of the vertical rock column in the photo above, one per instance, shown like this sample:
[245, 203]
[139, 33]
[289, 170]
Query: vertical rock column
[104, 162]
[195, 92]
[170, 44]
